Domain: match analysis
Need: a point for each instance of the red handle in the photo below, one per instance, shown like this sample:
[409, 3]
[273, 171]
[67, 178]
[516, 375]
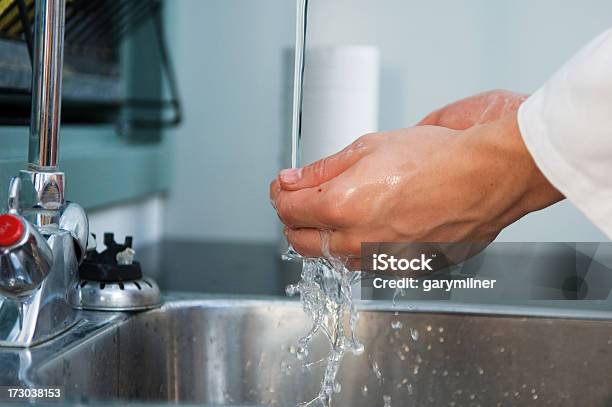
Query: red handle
[11, 230]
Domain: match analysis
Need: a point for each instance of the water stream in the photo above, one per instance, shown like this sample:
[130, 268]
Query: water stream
[325, 285]
[326, 297]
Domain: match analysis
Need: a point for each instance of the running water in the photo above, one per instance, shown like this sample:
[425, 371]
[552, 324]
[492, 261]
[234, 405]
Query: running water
[326, 297]
[298, 79]
[325, 285]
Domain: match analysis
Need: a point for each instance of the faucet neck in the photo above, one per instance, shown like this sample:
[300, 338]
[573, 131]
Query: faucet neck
[46, 84]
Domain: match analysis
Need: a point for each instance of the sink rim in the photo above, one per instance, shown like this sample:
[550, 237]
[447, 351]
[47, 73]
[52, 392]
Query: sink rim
[532, 309]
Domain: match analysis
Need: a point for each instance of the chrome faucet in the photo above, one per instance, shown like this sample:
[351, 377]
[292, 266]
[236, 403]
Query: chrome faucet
[43, 238]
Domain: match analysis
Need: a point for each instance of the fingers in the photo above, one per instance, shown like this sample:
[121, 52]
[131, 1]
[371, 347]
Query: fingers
[275, 190]
[302, 209]
[477, 109]
[432, 119]
[454, 116]
[308, 243]
[323, 170]
[305, 208]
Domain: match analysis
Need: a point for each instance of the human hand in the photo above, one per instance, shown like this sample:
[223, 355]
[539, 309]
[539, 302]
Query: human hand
[477, 109]
[421, 184]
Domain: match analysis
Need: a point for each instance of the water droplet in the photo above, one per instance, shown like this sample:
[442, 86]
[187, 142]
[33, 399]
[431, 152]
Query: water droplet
[428, 328]
[387, 401]
[376, 370]
[396, 325]
[292, 289]
[337, 387]
[414, 333]
[364, 390]
[301, 352]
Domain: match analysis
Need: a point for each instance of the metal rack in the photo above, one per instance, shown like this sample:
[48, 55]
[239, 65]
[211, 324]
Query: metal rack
[97, 25]
[94, 31]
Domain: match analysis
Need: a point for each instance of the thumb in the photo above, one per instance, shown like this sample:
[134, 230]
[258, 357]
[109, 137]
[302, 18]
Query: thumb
[323, 170]
[432, 119]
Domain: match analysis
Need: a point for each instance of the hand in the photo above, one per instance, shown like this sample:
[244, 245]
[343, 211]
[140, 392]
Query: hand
[422, 184]
[478, 109]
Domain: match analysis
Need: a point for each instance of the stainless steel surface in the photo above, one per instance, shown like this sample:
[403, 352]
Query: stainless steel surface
[42, 196]
[37, 272]
[47, 83]
[44, 313]
[125, 296]
[239, 352]
[24, 265]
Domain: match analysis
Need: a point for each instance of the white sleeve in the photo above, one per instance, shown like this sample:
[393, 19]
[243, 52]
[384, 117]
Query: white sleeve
[567, 127]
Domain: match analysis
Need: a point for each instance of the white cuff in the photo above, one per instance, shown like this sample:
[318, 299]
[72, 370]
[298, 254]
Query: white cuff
[595, 201]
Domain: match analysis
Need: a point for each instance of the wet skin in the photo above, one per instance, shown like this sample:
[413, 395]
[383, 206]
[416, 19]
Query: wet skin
[461, 175]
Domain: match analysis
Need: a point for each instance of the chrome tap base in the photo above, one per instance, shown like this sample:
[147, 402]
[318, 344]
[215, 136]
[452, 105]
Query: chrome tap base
[27, 321]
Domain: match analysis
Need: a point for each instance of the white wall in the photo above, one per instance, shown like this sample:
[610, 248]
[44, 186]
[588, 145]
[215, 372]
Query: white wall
[141, 219]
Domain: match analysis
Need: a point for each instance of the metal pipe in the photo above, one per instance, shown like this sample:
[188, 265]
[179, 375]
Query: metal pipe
[47, 84]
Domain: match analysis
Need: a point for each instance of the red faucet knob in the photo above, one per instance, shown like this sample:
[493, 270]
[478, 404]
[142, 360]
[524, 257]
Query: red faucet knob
[11, 230]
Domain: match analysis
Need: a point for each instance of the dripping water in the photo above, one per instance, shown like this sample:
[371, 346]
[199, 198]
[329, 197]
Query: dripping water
[326, 297]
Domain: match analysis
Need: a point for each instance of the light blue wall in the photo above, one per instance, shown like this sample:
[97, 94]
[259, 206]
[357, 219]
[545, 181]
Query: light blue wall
[229, 56]
[231, 62]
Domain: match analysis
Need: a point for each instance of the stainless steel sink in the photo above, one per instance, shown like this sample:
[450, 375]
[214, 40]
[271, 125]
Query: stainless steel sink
[228, 351]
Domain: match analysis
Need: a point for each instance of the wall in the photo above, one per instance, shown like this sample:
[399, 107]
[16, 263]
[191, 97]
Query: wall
[141, 219]
[230, 59]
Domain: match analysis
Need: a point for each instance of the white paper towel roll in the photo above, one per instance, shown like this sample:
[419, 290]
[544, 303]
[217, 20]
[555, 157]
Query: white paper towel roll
[340, 99]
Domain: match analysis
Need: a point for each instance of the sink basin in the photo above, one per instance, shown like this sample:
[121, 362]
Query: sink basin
[229, 351]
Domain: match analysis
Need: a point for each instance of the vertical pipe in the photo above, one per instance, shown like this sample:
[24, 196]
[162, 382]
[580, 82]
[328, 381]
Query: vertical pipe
[47, 84]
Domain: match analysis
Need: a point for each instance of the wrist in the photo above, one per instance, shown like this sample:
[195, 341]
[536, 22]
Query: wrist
[518, 187]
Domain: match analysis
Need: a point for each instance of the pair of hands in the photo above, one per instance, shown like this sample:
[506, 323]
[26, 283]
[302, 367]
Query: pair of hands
[461, 175]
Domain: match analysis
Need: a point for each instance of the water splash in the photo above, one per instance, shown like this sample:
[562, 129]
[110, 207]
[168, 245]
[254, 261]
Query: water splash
[326, 297]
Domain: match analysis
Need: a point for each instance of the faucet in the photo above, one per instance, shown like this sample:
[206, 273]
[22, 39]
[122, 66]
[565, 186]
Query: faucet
[43, 238]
